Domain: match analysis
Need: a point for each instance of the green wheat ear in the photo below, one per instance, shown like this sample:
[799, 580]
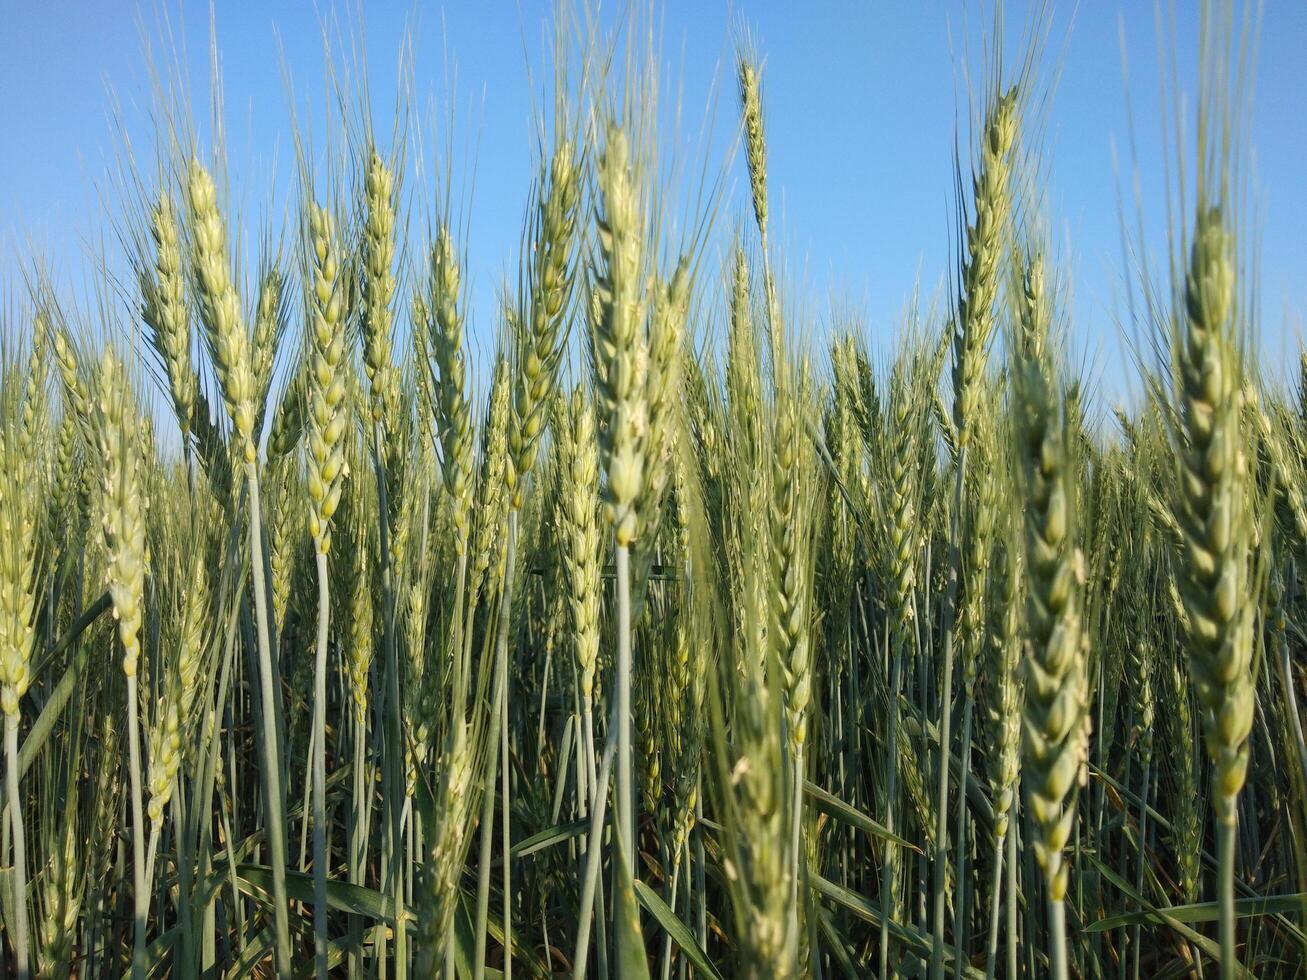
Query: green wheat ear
[974, 325]
[453, 413]
[220, 309]
[1055, 684]
[378, 286]
[165, 311]
[619, 346]
[327, 388]
[582, 546]
[542, 329]
[1212, 508]
[1054, 669]
[123, 505]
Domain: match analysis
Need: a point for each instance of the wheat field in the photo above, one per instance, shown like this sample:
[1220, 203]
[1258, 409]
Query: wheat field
[675, 635]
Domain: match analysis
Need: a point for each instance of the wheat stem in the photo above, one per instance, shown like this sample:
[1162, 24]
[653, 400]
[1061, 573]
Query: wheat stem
[625, 778]
[140, 891]
[19, 844]
[273, 804]
[319, 768]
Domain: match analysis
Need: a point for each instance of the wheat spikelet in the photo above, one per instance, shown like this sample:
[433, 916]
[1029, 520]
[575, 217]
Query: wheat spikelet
[378, 285]
[270, 314]
[743, 375]
[19, 526]
[981, 511]
[581, 545]
[489, 546]
[447, 847]
[619, 348]
[291, 417]
[195, 625]
[67, 476]
[220, 310]
[755, 144]
[541, 334]
[285, 529]
[1055, 686]
[978, 286]
[670, 308]
[123, 506]
[1211, 508]
[165, 312]
[902, 518]
[1003, 638]
[1187, 829]
[761, 861]
[650, 716]
[359, 605]
[108, 797]
[688, 681]
[453, 415]
[62, 884]
[327, 386]
[70, 376]
[791, 554]
[165, 750]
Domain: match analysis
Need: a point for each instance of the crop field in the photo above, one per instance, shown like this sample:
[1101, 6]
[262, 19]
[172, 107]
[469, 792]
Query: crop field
[662, 630]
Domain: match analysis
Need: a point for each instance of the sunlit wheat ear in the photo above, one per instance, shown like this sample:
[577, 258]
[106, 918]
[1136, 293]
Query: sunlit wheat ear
[981, 505]
[291, 417]
[72, 382]
[1211, 507]
[123, 504]
[18, 523]
[66, 478]
[903, 523]
[582, 546]
[220, 308]
[20, 494]
[746, 434]
[165, 311]
[1033, 309]
[378, 286]
[1005, 683]
[286, 525]
[542, 331]
[453, 413]
[619, 347]
[791, 515]
[667, 324]
[491, 512]
[1141, 657]
[122, 514]
[193, 632]
[327, 387]
[269, 323]
[973, 327]
[755, 142]
[164, 753]
[1055, 689]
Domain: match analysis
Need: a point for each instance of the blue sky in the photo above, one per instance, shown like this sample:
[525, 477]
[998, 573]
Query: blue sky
[861, 102]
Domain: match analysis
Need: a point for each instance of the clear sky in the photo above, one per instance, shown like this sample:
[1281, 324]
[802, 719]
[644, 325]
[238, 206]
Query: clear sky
[861, 103]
